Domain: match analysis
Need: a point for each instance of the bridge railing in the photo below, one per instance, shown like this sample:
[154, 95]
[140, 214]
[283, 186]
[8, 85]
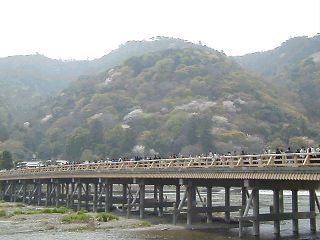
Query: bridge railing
[263, 160]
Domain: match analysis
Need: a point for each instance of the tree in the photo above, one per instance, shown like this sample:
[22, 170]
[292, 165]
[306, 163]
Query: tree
[6, 161]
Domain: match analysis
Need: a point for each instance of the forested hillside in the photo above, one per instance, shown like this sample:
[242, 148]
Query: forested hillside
[271, 63]
[27, 81]
[294, 68]
[189, 101]
[164, 96]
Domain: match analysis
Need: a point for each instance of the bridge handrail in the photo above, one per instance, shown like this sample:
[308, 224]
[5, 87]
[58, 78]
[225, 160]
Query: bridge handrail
[252, 160]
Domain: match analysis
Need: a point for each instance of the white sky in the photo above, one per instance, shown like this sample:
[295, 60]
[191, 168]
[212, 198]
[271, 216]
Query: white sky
[81, 29]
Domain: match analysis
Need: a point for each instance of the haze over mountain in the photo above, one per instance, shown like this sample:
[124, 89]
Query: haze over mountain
[161, 96]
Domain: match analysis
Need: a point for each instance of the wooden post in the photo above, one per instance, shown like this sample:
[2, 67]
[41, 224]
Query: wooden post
[79, 186]
[177, 194]
[240, 223]
[295, 220]
[100, 194]
[244, 197]
[160, 200]
[72, 195]
[209, 204]
[190, 199]
[87, 196]
[95, 197]
[141, 198]
[39, 185]
[313, 226]
[129, 204]
[281, 202]
[155, 197]
[107, 197]
[227, 204]
[276, 211]
[174, 215]
[124, 195]
[12, 192]
[67, 195]
[256, 222]
[58, 187]
[24, 192]
[111, 197]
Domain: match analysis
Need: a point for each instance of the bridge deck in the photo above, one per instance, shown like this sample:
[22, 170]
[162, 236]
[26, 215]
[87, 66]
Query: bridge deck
[293, 166]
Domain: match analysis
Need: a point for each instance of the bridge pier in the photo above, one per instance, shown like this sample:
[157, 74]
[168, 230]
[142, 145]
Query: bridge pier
[141, 199]
[295, 219]
[255, 203]
[190, 201]
[87, 192]
[160, 214]
[276, 211]
[209, 204]
[107, 197]
[312, 204]
[95, 197]
[79, 187]
[124, 195]
[155, 198]
[227, 204]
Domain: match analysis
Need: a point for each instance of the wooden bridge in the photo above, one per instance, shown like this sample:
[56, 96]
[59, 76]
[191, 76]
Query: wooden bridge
[103, 186]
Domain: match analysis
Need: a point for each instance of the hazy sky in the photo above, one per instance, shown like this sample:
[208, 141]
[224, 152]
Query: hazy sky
[78, 29]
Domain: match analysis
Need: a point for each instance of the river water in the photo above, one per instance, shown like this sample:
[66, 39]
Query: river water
[224, 233]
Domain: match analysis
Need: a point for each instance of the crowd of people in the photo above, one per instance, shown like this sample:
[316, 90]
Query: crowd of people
[215, 155]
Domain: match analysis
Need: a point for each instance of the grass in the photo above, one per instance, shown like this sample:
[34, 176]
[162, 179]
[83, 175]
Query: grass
[8, 205]
[61, 210]
[106, 217]
[77, 217]
[144, 224]
[2, 213]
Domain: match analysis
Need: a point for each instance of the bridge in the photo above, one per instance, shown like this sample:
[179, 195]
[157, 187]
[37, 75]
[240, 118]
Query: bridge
[131, 185]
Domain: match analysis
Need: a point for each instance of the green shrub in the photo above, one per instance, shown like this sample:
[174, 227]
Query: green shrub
[76, 218]
[61, 210]
[106, 217]
[145, 224]
[82, 211]
[20, 205]
[2, 213]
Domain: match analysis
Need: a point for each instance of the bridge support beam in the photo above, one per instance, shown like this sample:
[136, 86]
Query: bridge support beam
[276, 211]
[79, 186]
[209, 204]
[87, 193]
[58, 190]
[227, 204]
[295, 220]
[244, 196]
[24, 191]
[124, 195]
[107, 197]
[178, 190]
[312, 203]
[155, 198]
[190, 202]
[39, 192]
[95, 197]
[160, 200]
[255, 203]
[141, 199]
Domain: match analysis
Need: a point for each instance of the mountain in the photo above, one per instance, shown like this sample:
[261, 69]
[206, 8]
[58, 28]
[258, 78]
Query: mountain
[26, 81]
[293, 68]
[273, 62]
[190, 100]
[163, 96]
